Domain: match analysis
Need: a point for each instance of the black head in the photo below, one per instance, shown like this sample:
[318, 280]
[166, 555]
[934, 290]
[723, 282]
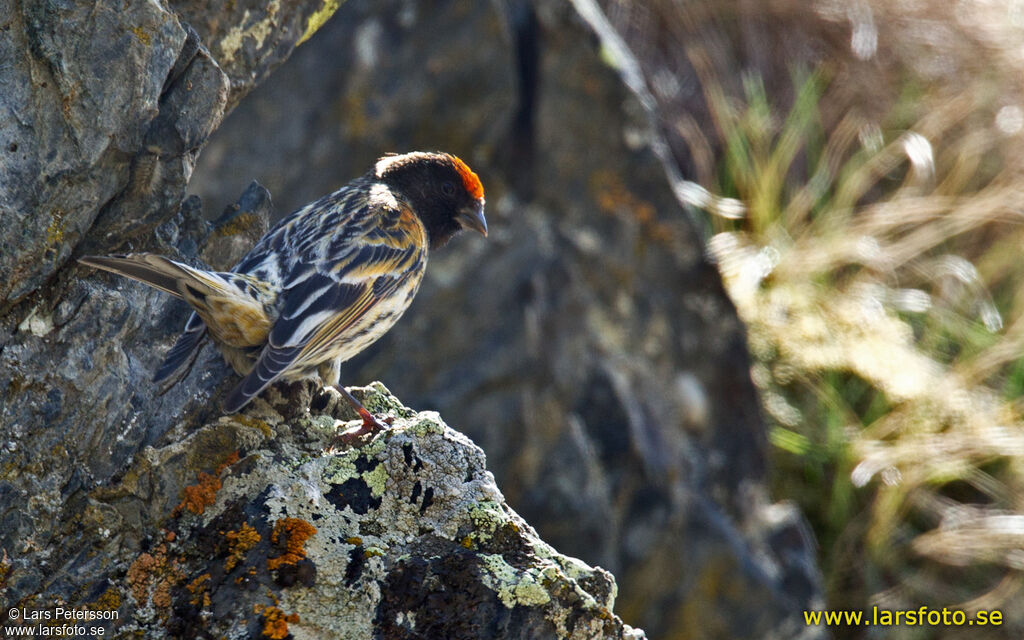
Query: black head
[442, 190]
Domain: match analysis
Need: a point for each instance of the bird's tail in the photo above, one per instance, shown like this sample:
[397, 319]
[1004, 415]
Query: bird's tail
[156, 271]
[232, 307]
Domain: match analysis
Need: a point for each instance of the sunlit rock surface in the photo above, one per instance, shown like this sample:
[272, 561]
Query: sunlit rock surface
[405, 535]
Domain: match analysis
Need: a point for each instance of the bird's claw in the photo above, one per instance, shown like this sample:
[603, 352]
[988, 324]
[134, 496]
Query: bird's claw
[350, 437]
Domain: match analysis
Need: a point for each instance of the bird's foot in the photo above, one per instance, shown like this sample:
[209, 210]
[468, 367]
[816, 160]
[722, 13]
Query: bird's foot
[371, 425]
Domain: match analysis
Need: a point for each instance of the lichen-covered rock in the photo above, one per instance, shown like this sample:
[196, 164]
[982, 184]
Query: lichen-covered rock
[73, 423]
[250, 38]
[404, 536]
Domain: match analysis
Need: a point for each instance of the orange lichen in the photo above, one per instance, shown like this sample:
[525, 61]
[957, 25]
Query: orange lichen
[139, 576]
[203, 494]
[469, 179]
[200, 495]
[232, 458]
[200, 596]
[275, 621]
[153, 575]
[613, 197]
[239, 542]
[290, 534]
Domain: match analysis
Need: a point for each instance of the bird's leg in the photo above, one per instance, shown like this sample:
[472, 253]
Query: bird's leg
[370, 423]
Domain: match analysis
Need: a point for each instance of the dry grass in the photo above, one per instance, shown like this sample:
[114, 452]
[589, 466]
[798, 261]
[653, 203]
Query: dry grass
[878, 268]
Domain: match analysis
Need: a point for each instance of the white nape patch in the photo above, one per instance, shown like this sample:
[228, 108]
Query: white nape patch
[380, 195]
[385, 163]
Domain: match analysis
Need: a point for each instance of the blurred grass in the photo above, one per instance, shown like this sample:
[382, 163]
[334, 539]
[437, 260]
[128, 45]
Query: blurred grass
[877, 265]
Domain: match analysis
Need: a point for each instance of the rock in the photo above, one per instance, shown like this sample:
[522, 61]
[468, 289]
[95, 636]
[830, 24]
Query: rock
[78, 405]
[250, 38]
[88, 158]
[239, 228]
[586, 345]
[404, 536]
[68, 131]
[92, 163]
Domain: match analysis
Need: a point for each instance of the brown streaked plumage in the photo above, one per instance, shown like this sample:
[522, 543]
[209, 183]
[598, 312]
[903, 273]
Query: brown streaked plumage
[324, 283]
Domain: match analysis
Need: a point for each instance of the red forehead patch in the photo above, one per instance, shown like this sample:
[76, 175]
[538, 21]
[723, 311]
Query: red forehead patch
[469, 179]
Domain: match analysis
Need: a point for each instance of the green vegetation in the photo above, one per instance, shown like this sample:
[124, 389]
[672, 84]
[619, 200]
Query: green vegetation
[878, 267]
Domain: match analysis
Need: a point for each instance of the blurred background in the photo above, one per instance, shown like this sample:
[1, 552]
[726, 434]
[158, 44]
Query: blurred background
[748, 260]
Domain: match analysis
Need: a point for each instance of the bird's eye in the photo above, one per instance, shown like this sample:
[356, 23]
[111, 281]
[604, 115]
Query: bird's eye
[448, 188]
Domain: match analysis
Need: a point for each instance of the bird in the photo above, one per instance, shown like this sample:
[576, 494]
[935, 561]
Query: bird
[324, 283]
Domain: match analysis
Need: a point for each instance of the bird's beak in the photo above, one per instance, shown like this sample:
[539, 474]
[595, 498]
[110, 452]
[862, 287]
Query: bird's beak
[472, 217]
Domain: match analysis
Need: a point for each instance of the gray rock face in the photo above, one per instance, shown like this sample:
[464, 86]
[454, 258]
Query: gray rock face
[68, 133]
[250, 38]
[105, 106]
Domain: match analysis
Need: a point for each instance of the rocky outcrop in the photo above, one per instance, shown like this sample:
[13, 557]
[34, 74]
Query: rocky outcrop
[404, 536]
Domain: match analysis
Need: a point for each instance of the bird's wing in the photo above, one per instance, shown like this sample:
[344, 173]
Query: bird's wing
[179, 359]
[341, 278]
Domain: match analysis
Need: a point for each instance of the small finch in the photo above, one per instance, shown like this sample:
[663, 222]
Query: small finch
[324, 283]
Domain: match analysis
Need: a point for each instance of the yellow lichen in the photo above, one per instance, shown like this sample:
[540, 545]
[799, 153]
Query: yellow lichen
[232, 42]
[239, 542]
[55, 231]
[110, 600]
[319, 17]
[240, 224]
[141, 34]
[254, 423]
[376, 479]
